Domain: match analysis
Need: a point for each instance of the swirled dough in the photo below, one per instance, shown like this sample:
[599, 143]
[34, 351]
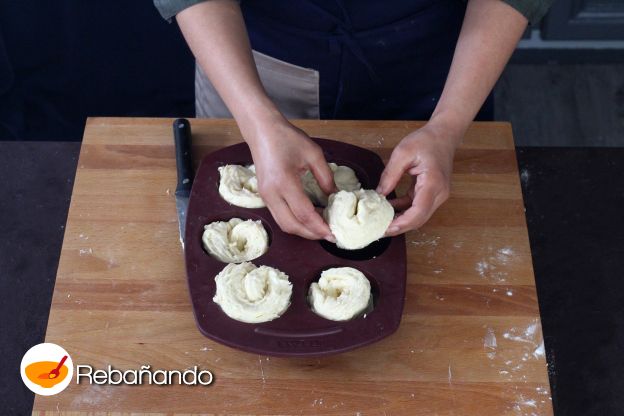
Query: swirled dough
[236, 240]
[358, 218]
[344, 178]
[252, 294]
[340, 294]
[239, 186]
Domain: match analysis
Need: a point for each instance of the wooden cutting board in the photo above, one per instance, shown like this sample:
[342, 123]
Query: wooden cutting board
[470, 342]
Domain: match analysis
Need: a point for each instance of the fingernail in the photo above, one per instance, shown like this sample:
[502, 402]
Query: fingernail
[330, 238]
[393, 229]
[379, 190]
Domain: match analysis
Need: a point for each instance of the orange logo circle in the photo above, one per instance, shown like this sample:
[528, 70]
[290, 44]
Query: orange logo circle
[47, 369]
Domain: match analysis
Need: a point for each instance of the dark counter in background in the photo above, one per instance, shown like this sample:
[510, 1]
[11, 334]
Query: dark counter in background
[574, 201]
[36, 180]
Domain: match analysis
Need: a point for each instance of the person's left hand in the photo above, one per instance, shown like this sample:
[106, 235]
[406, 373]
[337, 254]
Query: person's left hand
[427, 155]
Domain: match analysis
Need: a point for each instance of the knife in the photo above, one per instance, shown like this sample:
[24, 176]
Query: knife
[184, 164]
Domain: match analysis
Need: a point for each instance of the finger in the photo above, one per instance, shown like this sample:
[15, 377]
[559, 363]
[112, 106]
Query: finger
[391, 175]
[304, 212]
[421, 210]
[323, 174]
[285, 219]
[404, 202]
[401, 203]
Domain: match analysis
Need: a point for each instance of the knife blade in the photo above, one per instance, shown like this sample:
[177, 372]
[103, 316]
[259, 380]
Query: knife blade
[184, 166]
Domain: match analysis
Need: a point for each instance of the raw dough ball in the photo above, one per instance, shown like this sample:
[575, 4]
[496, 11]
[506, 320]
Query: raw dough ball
[239, 186]
[252, 294]
[340, 294]
[344, 177]
[358, 218]
[235, 241]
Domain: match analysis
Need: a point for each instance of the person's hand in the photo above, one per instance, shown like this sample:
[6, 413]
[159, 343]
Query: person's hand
[427, 155]
[282, 153]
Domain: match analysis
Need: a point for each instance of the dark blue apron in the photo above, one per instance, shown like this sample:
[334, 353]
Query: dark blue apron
[376, 59]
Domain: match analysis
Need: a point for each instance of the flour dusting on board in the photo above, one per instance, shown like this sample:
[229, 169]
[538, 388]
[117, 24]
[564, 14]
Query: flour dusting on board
[517, 351]
[528, 403]
[489, 343]
[317, 402]
[423, 240]
[527, 335]
[513, 352]
[523, 403]
[93, 395]
[493, 264]
[262, 371]
[428, 244]
[539, 351]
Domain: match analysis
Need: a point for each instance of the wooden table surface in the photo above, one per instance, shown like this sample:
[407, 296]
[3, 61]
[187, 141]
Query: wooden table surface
[470, 342]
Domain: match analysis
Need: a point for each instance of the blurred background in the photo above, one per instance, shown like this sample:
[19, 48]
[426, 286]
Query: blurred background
[65, 60]
[563, 91]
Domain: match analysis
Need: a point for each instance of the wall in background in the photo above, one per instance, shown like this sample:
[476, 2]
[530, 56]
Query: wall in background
[565, 83]
[562, 103]
[585, 20]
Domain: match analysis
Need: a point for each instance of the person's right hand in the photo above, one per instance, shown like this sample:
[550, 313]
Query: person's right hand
[282, 153]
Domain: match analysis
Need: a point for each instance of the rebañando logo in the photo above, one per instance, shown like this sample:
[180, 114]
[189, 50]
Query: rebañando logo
[48, 369]
[145, 375]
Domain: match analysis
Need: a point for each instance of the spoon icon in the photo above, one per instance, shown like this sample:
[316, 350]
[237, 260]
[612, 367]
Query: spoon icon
[54, 373]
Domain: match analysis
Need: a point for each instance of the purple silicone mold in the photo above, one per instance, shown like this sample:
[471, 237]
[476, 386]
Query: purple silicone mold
[299, 331]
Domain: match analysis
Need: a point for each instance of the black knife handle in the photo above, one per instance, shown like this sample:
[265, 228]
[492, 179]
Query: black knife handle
[184, 160]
